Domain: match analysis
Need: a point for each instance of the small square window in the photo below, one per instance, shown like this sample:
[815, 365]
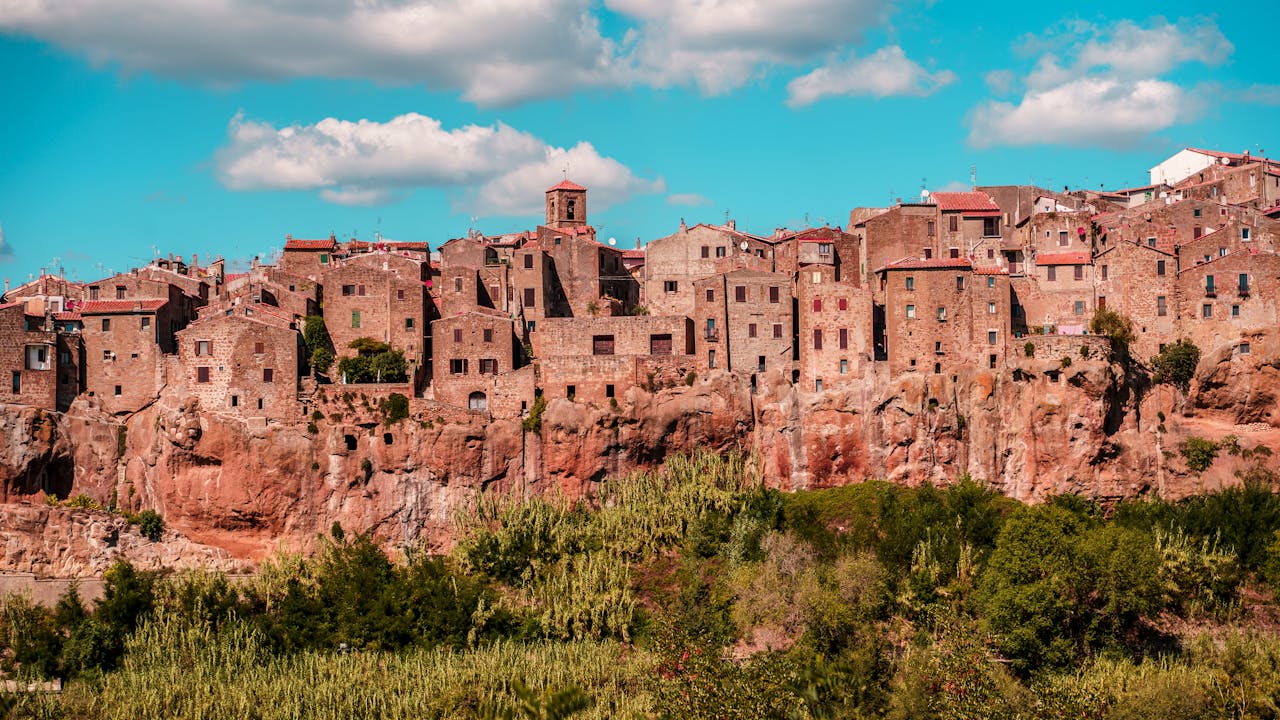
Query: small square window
[399, 294]
[1245, 349]
[268, 375]
[751, 330]
[721, 251]
[408, 323]
[711, 295]
[706, 252]
[119, 391]
[488, 335]
[670, 286]
[991, 281]
[773, 294]
[740, 293]
[106, 324]
[258, 348]
[942, 314]
[991, 337]
[911, 312]
[1235, 311]
[777, 330]
[1079, 307]
[1206, 310]
[146, 323]
[910, 283]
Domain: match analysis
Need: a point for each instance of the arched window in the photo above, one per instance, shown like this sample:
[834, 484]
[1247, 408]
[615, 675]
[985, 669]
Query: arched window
[569, 207]
[477, 401]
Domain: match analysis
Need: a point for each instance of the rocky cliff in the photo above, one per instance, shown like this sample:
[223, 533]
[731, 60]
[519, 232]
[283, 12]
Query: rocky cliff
[232, 488]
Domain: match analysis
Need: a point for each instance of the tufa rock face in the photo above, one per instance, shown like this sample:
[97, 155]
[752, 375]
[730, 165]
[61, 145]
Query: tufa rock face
[231, 488]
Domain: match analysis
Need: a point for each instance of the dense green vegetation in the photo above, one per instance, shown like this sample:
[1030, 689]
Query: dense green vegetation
[695, 593]
[374, 362]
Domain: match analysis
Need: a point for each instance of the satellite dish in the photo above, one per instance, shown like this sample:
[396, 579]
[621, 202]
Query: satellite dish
[613, 241]
[743, 246]
[924, 195]
[1225, 160]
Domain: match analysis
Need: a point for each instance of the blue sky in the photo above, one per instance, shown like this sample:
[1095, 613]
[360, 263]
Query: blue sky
[218, 127]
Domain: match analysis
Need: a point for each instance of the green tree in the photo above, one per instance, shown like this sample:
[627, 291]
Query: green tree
[1176, 364]
[374, 362]
[1199, 453]
[1115, 327]
[315, 336]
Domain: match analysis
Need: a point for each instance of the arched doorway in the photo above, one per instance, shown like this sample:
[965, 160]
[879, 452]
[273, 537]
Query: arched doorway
[477, 401]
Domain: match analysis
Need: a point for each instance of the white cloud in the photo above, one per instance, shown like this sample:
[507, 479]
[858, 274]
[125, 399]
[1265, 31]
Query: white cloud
[1089, 111]
[494, 51]
[688, 199]
[719, 45]
[1260, 94]
[999, 81]
[496, 168]
[887, 71]
[1100, 86]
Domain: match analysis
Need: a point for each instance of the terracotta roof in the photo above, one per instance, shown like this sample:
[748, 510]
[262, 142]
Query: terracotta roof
[965, 202]
[930, 264]
[389, 244]
[1067, 258]
[633, 254]
[103, 307]
[565, 185]
[6, 306]
[295, 244]
[990, 270]
[66, 316]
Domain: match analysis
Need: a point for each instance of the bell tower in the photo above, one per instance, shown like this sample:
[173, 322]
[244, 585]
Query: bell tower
[566, 205]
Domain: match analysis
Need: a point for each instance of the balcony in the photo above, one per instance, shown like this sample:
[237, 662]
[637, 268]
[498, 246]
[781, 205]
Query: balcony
[713, 335]
[1243, 292]
[1210, 293]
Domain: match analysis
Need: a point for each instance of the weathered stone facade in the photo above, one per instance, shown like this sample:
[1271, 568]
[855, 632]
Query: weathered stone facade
[243, 361]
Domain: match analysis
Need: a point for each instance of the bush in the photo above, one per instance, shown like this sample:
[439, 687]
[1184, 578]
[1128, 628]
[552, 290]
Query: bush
[315, 336]
[1115, 327]
[394, 409]
[150, 524]
[1066, 361]
[533, 423]
[1176, 364]
[376, 362]
[1029, 349]
[690, 378]
[1199, 453]
[1085, 352]
[312, 428]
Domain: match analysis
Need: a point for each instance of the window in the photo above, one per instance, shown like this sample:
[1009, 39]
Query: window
[1235, 311]
[119, 391]
[258, 348]
[844, 367]
[959, 283]
[953, 223]
[824, 248]
[937, 347]
[817, 304]
[202, 374]
[817, 385]
[1159, 269]
[991, 337]
[1244, 348]
[773, 294]
[488, 335]
[1197, 231]
[16, 382]
[933, 228]
[1244, 283]
[1196, 212]
[569, 208]
[360, 290]
[706, 251]
[928, 253]
[399, 294]
[670, 286]
[108, 356]
[93, 292]
[528, 297]
[457, 286]
[457, 335]
[942, 314]
[990, 227]
[324, 258]
[408, 323]
[268, 375]
[1151, 242]
[1206, 311]
[1079, 307]
[1244, 234]
[842, 304]
[711, 295]
[844, 339]
[458, 366]
[1077, 272]
[817, 339]
[991, 308]
[721, 251]
[660, 344]
[954, 253]
[991, 253]
[711, 358]
[528, 261]
[991, 361]
[1162, 308]
[146, 323]
[1062, 238]
[120, 292]
[740, 293]
[1222, 252]
[1052, 273]
[911, 312]
[1209, 286]
[751, 330]
[488, 366]
[348, 290]
[204, 348]
[602, 345]
[910, 283]
[355, 318]
[106, 324]
[777, 330]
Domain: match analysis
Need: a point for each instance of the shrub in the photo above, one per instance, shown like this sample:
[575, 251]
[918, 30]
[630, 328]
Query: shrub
[1199, 453]
[1066, 361]
[395, 408]
[366, 467]
[122, 440]
[1085, 352]
[1115, 327]
[1176, 364]
[533, 423]
[375, 362]
[315, 336]
[317, 416]
[1029, 349]
[150, 524]
[690, 378]
[312, 428]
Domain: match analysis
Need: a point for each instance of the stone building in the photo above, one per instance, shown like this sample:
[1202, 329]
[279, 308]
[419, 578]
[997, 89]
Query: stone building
[835, 329]
[945, 315]
[1139, 281]
[45, 294]
[124, 341]
[597, 359]
[472, 350]
[244, 360]
[745, 321]
[383, 296]
[28, 357]
[473, 273]
[1060, 293]
[840, 250]
[673, 263]
[1227, 298]
[307, 258]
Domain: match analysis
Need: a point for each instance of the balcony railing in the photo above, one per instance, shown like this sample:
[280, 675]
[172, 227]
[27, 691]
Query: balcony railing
[713, 336]
[1244, 292]
[1210, 293]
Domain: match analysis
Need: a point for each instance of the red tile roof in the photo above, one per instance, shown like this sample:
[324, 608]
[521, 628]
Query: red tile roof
[389, 244]
[1066, 258]
[966, 202]
[990, 270]
[633, 254]
[931, 264]
[6, 306]
[566, 185]
[295, 244]
[66, 316]
[104, 307]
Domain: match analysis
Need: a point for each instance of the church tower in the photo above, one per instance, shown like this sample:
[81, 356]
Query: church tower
[566, 205]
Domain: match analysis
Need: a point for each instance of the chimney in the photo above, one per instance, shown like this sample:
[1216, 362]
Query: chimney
[288, 237]
[683, 227]
[637, 243]
[733, 224]
[195, 263]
